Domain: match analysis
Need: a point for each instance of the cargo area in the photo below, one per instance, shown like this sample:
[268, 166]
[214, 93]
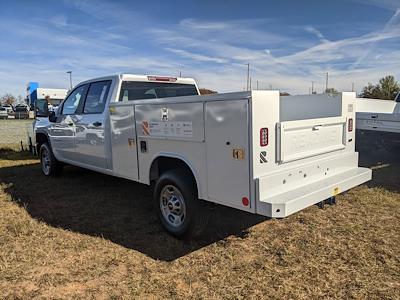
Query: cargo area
[310, 154]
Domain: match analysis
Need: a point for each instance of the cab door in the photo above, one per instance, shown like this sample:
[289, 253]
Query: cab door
[124, 141]
[90, 126]
[62, 132]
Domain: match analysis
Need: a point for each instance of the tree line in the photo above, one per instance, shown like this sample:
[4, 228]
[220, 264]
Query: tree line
[9, 99]
[387, 88]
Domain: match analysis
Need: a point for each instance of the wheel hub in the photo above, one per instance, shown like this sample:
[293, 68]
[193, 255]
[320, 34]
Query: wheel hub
[45, 161]
[172, 204]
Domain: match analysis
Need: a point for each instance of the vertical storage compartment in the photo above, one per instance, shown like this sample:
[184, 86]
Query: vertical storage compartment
[227, 151]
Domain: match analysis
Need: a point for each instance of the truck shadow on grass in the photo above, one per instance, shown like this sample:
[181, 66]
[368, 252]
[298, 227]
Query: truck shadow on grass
[385, 165]
[115, 209]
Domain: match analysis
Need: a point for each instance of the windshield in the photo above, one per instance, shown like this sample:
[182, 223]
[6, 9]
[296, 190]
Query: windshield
[135, 90]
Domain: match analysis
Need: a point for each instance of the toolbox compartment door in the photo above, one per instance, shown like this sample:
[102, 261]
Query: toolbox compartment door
[305, 138]
[228, 169]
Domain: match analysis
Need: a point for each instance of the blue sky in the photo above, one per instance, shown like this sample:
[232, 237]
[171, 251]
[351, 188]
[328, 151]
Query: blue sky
[287, 43]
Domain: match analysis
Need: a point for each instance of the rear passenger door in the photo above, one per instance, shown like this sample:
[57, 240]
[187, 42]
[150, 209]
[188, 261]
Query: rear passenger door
[90, 126]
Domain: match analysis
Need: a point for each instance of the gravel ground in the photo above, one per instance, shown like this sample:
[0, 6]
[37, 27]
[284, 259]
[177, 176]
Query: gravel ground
[12, 132]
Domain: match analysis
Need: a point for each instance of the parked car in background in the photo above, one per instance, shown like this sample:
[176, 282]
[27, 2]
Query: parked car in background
[21, 112]
[3, 113]
[8, 107]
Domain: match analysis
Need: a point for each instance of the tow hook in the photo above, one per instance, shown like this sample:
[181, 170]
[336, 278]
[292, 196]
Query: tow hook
[329, 201]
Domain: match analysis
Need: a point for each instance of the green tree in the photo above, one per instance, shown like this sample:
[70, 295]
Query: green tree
[204, 91]
[386, 89]
[331, 91]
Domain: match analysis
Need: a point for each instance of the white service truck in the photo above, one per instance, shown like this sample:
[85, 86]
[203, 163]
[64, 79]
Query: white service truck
[255, 151]
[378, 123]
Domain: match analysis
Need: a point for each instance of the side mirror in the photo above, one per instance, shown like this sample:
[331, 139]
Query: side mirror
[41, 108]
[52, 117]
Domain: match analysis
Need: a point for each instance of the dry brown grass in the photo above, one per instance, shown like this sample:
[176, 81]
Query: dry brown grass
[87, 235]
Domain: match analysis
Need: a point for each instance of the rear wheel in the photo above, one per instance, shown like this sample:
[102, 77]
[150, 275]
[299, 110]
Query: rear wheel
[49, 164]
[177, 205]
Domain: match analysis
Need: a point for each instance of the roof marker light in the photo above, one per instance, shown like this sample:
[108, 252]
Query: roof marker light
[161, 78]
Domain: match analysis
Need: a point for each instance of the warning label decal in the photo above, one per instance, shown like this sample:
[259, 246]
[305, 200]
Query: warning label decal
[168, 129]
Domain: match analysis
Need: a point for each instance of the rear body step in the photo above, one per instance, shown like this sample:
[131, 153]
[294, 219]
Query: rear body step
[289, 202]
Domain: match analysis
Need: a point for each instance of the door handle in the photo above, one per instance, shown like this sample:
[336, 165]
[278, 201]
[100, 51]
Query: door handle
[97, 124]
[316, 127]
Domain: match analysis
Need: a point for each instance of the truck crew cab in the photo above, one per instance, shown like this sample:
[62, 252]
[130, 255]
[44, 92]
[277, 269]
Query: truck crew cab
[254, 151]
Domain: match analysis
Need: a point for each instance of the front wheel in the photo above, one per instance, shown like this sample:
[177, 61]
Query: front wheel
[49, 164]
[177, 205]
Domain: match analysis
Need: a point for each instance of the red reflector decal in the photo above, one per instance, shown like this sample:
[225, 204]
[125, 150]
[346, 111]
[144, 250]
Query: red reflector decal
[263, 137]
[245, 201]
[350, 125]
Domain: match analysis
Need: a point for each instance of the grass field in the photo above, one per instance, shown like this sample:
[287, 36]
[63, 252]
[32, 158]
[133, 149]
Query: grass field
[13, 132]
[86, 235]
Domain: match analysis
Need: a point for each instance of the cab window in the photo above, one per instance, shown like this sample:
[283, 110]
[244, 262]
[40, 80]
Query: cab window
[71, 103]
[96, 97]
[137, 90]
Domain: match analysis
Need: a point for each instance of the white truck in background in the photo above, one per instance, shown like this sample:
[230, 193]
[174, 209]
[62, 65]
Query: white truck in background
[255, 151]
[378, 123]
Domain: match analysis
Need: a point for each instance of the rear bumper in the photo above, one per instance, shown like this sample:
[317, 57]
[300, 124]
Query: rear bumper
[289, 202]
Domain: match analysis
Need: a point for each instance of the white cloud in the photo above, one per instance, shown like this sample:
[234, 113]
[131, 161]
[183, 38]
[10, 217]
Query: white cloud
[197, 57]
[213, 52]
[59, 21]
[386, 4]
[317, 33]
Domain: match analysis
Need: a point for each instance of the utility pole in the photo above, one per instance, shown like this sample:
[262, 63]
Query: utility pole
[70, 79]
[257, 85]
[326, 84]
[180, 73]
[312, 87]
[248, 75]
[250, 83]
[352, 86]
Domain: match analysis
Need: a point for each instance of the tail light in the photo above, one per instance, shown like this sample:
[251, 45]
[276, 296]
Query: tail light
[263, 137]
[350, 125]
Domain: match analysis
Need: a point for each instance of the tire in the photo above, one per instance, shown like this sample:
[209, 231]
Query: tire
[180, 211]
[50, 166]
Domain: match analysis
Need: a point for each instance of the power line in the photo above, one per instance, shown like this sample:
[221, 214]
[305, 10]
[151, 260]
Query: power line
[326, 84]
[70, 79]
[248, 75]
